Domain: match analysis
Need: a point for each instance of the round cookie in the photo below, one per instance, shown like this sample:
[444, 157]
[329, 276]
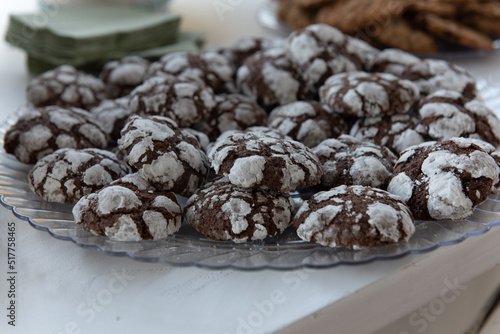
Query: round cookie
[348, 161]
[222, 211]
[123, 212]
[68, 174]
[185, 102]
[319, 51]
[308, 122]
[239, 51]
[207, 67]
[445, 180]
[112, 115]
[255, 159]
[354, 217]
[396, 132]
[431, 75]
[393, 61]
[163, 155]
[269, 78]
[365, 94]
[231, 112]
[65, 86]
[449, 114]
[123, 75]
[40, 131]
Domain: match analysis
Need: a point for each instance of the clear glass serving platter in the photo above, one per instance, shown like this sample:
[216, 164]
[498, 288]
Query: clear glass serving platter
[268, 19]
[189, 248]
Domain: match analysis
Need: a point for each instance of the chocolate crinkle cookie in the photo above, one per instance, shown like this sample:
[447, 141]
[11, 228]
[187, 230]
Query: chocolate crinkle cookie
[269, 78]
[445, 180]
[239, 51]
[125, 212]
[222, 211]
[396, 132]
[309, 122]
[164, 156]
[393, 61]
[354, 217]
[254, 159]
[185, 102]
[319, 51]
[41, 131]
[450, 114]
[68, 174]
[231, 112]
[365, 94]
[65, 86]
[348, 161]
[208, 68]
[112, 115]
[431, 75]
[123, 75]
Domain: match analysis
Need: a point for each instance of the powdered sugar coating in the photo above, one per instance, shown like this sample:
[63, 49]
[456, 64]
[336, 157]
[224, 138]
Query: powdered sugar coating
[319, 51]
[270, 79]
[223, 211]
[445, 180]
[431, 75]
[309, 122]
[40, 131]
[182, 101]
[163, 155]
[231, 112]
[239, 51]
[112, 115]
[124, 74]
[393, 61]
[65, 86]
[206, 68]
[396, 132]
[252, 159]
[68, 174]
[354, 217]
[348, 161]
[365, 94]
[449, 114]
[125, 213]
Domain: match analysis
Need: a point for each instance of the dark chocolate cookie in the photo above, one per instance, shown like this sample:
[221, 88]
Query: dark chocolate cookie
[445, 180]
[124, 74]
[112, 115]
[68, 174]
[354, 217]
[222, 211]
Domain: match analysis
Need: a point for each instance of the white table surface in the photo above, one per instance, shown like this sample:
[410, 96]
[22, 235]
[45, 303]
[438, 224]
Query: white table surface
[62, 288]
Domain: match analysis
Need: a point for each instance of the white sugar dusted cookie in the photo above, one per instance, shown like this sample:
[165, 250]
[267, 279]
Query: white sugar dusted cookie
[255, 159]
[396, 132]
[164, 156]
[68, 174]
[65, 86]
[431, 75]
[185, 102]
[349, 161]
[271, 80]
[354, 217]
[41, 131]
[309, 122]
[112, 115]
[123, 75]
[208, 68]
[222, 211]
[445, 180]
[393, 61]
[365, 94]
[319, 51]
[449, 114]
[125, 212]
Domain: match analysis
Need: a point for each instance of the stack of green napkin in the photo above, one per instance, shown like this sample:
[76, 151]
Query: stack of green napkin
[89, 36]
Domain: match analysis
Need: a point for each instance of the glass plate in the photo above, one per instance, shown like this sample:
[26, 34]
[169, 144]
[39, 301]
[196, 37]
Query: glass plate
[189, 248]
[268, 19]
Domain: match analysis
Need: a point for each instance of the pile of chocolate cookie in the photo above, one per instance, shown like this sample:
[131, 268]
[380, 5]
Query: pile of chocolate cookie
[377, 139]
[417, 26]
